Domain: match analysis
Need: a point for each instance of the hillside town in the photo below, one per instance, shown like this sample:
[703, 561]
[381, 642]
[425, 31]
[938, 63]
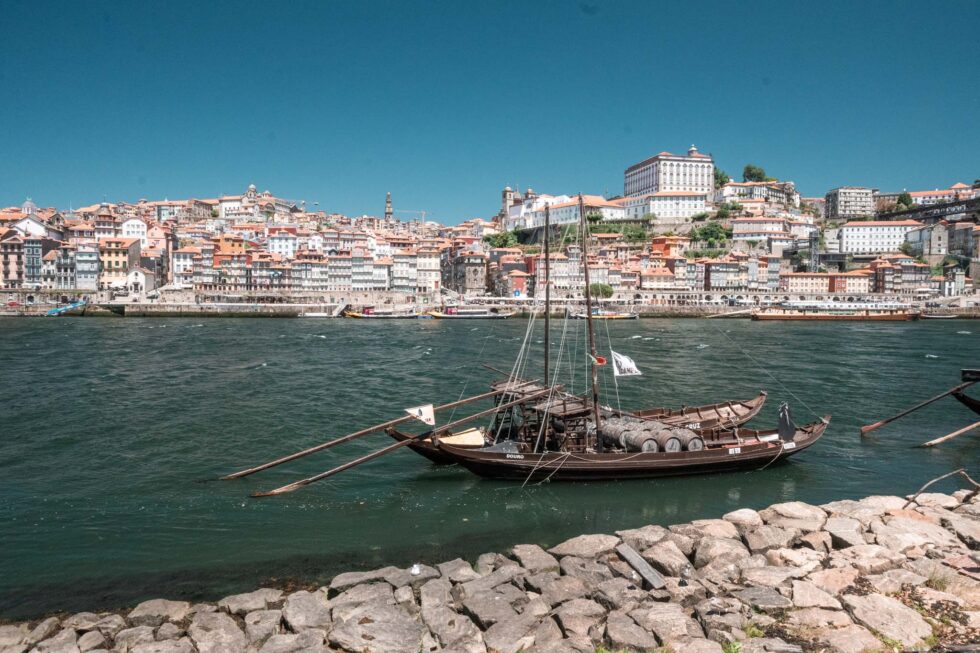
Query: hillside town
[683, 232]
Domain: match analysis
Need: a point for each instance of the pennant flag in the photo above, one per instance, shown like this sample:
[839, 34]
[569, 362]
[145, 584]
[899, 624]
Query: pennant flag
[624, 365]
[423, 414]
[597, 360]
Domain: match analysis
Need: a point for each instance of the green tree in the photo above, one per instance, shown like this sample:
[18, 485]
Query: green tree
[904, 202]
[603, 228]
[753, 173]
[710, 232]
[593, 217]
[601, 290]
[634, 233]
[976, 183]
[905, 248]
[699, 217]
[504, 239]
[650, 217]
[721, 178]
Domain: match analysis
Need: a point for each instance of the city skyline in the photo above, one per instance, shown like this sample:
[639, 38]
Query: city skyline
[339, 104]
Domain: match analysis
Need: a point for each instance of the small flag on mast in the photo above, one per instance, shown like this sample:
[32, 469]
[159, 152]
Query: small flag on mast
[598, 361]
[424, 413]
[624, 365]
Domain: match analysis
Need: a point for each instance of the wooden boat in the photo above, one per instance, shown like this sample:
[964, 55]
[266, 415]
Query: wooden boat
[461, 313]
[606, 315]
[700, 419]
[858, 312]
[538, 431]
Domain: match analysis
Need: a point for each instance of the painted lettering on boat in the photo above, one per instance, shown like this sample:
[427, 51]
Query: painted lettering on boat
[693, 425]
[789, 445]
[515, 456]
[734, 450]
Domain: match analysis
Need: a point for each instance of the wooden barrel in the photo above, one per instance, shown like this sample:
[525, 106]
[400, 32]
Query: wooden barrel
[667, 441]
[690, 441]
[640, 440]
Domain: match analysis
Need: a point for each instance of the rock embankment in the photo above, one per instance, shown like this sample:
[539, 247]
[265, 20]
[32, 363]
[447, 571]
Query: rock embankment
[845, 577]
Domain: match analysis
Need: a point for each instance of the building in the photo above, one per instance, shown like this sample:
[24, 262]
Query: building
[469, 273]
[954, 193]
[666, 205]
[874, 237]
[694, 172]
[11, 259]
[849, 202]
[772, 192]
[931, 241]
[88, 266]
[118, 256]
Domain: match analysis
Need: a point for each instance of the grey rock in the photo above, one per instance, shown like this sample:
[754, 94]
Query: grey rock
[513, 635]
[623, 633]
[242, 604]
[888, 616]
[91, 640]
[817, 618]
[453, 631]
[216, 632]
[379, 629]
[618, 594]
[491, 580]
[307, 642]
[488, 608]
[848, 639]
[457, 571]
[668, 621]
[745, 519]
[768, 576]
[435, 593]
[808, 595]
[764, 538]
[867, 558]
[936, 500]
[579, 616]
[303, 610]
[65, 641]
[866, 510]
[667, 558]
[182, 645]
[586, 546]
[13, 634]
[716, 528]
[352, 578]
[156, 611]
[128, 638]
[818, 541]
[845, 532]
[111, 624]
[967, 528]
[535, 559]
[718, 548]
[893, 580]
[261, 625]
[684, 543]
[82, 622]
[169, 631]
[721, 614]
[834, 581]
[405, 577]
[587, 570]
[795, 514]
[695, 645]
[901, 534]
[802, 560]
[555, 590]
[770, 645]
[685, 592]
[643, 538]
[344, 604]
[763, 598]
[42, 631]
[405, 597]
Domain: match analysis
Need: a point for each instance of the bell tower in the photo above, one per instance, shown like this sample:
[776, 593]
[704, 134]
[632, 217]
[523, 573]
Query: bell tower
[389, 213]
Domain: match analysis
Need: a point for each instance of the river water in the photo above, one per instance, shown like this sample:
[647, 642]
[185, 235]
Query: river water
[110, 428]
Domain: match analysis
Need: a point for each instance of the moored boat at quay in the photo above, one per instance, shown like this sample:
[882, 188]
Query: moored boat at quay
[829, 311]
[372, 313]
[470, 313]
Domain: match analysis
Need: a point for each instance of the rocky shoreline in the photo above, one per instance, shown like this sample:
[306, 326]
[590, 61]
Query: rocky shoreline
[878, 574]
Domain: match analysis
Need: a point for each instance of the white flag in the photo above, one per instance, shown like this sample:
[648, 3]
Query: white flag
[423, 414]
[624, 365]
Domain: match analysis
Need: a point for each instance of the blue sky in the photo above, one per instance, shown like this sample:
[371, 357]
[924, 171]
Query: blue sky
[444, 103]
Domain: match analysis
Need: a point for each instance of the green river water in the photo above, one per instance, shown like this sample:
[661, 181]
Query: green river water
[109, 427]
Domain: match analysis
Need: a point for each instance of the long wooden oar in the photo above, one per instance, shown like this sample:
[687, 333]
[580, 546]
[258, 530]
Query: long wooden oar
[932, 443]
[380, 452]
[877, 425]
[363, 432]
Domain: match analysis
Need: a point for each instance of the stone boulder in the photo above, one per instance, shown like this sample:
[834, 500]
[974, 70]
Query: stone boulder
[302, 610]
[763, 598]
[888, 616]
[667, 558]
[580, 616]
[261, 625]
[352, 578]
[488, 608]
[126, 639]
[745, 519]
[618, 594]
[242, 604]
[555, 590]
[623, 633]
[414, 576]
[866, 510]
[586, 546]
[834, 581]
[763, 538]
[457, 571]
[65, 641]
[310, 641]
[643, 538]
[848, 639]
[808, 595]
[845, 532]
[535, 559]
[668, 621]
[182, 645]
[216, 632]
[867, 558]
[378, 628]
[156, 611]
[375, 593]
[725, 550]
[901, 534]
[587, 570]
[12, 635]
[795, 514]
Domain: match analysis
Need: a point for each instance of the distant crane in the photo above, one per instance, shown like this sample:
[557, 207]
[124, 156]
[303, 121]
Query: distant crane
[418, 213]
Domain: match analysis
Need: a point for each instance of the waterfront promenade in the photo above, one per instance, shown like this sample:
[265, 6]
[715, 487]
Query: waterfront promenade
[878, 574]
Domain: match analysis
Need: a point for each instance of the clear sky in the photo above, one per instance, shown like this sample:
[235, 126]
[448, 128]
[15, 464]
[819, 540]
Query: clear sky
[444, 103]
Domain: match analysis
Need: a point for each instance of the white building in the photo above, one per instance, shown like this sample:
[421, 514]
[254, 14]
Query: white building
[773, 192]
[521, 215]
[666, 204]
[694, 172]
[874, 237]
[849, 202]
[568, 212]
[283, 243]
[134, 228]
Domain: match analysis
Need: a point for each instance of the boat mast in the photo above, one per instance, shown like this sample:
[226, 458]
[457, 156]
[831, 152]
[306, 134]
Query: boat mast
[547, 292]
[588, 319]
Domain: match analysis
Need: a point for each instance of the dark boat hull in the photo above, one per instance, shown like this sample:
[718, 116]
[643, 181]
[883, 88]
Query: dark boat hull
[698, 418]
[560, 466]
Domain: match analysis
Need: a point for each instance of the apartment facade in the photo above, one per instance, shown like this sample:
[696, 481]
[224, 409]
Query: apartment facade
[849, 202]
[693, 172]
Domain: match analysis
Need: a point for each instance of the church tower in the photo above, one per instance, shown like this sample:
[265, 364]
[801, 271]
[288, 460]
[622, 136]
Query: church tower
[389, 214]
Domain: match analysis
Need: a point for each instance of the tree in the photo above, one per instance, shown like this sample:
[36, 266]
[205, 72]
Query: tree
[721, 178]
[700, 217]
[634, 233]
[753, 173]
[906, 248]
[593, 217]
[504, 239]
[904, 202]
[976, 183]
[712, 231]
[650, 217]
[601, 290]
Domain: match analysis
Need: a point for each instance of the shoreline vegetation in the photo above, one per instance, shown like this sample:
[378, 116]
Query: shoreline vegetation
[883, 573]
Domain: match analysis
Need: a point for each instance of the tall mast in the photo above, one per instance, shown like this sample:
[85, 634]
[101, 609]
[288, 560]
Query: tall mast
[547, 292]
[588, 320]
